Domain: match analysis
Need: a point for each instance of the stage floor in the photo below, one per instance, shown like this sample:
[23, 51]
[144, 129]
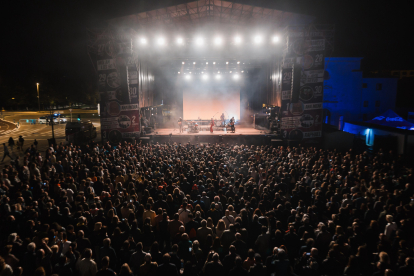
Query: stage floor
[239, 131]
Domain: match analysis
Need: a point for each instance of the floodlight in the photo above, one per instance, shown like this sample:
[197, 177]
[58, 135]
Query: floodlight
[242, 71]
[258, 39]
[187, 77]
[183, 62]
[218, 41]
[143, 41]
[194, 62]
[237, 40]
[238, 62]
[236, 77]
[161, 41]
[231, 72]
[206, 62]
[275, 39]
[214, 62]
[199, 41]
[180, 41]
[179, 72]
[205, 77]
[227, 62]
[218, 76]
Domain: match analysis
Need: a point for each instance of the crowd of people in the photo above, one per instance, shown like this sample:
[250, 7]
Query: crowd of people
[207, 210]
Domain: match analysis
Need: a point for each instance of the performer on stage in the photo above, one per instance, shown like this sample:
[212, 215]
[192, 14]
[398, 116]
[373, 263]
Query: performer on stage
[233, 129]
[222, 119]
[180, 124]
[211, 125]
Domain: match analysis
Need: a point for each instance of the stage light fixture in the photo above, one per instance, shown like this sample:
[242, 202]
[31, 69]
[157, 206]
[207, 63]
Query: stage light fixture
[161, 41]
[194, 62]
[202, 72]
[179, 72]
[187, 77]
[143, 41]
[205, 77]
[218, 77]
[242, 71]
[218, 41]
[183, 62]
[237, 40]
[231, 72]
[214, 62]
[258, 39]
[199, 41]
[238, 62]
[236, 77]
[275, 39]
[206, 62]
[180, 41]
[227, 62]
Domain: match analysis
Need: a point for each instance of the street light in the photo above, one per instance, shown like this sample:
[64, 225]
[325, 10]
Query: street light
[38, 99]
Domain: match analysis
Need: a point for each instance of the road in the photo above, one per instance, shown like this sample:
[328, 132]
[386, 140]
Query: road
[40, 132]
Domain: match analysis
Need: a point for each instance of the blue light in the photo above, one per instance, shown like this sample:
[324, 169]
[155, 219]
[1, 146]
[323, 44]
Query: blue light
[78, 119]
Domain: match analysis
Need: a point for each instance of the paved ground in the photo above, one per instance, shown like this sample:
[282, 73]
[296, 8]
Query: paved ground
[40, 132]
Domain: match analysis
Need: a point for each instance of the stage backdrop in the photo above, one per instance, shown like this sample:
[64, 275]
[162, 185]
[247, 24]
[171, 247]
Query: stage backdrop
[204, 103]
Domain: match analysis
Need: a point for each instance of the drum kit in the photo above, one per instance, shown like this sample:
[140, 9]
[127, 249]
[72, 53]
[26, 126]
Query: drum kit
[193, 127]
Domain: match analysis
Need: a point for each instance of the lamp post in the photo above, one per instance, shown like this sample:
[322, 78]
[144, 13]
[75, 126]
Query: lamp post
[38, 99]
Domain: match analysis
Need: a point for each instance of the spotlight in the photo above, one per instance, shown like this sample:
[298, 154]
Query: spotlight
[218, 41]
[237, 40]
[231, 72]
[227, 62]
[161, 41]
[206, 62]
[179, 72]
[205, 77]
[214, 62]
[242, 71]
[194, 62]
[202, 72]
[236, 77]
[180, 41]
[183, 62]
[275, 39]
[218, 77]
[143, 41]
[199, 41]
[187, 77]
[258, 39]
[238, 62]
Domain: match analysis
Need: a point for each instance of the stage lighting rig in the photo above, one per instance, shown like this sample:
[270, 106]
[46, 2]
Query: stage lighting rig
[237, 40]
[218, 41]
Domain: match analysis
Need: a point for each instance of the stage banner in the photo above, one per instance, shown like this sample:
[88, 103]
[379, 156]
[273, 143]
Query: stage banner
[118, 86]
[302, 120]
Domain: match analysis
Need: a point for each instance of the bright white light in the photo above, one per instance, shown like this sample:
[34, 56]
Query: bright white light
[258, 39]
[218, 41]
[206, 62]
[202, 72]
[275, 39]
[180, 41]
[143, 41]
[161, 41]
[179, 72]
[187, 77]
[237, 40]
[236, 77]
[189, 72]
[199, 41]
[194, 62]
[227, 62]
[218, 77]
[183, 62]
[238, 62]
[205, 77]
[214, 62]
[231, 72]
[242, 71]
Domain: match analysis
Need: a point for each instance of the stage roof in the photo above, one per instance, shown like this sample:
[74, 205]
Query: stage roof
[195, 13]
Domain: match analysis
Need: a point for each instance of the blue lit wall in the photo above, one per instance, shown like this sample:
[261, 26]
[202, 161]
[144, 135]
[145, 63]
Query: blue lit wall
[344, 94]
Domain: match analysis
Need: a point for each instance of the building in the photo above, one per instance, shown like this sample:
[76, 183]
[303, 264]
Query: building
[351, 97]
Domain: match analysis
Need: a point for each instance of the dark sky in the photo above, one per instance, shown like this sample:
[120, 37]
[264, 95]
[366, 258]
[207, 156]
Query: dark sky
[39, 37]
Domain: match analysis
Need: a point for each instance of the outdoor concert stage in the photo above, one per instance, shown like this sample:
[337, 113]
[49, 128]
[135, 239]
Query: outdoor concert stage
[242, 135]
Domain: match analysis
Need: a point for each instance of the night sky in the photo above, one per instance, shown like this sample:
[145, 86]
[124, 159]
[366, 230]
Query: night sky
[42, 37]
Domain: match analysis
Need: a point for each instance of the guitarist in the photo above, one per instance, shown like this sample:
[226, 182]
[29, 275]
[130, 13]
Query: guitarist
[180, 124]
[211, 125]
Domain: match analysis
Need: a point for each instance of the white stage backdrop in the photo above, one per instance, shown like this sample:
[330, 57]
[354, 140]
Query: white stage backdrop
[206, 103]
